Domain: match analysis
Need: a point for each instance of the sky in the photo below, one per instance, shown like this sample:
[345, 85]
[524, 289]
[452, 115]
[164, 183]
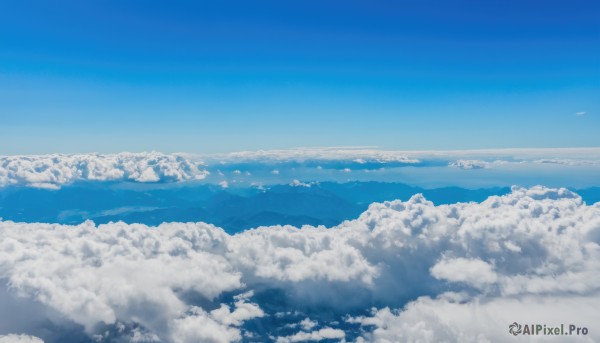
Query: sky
[207, 77]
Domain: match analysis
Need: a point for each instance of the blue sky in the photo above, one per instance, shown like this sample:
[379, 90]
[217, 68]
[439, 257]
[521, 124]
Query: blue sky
[201, 76]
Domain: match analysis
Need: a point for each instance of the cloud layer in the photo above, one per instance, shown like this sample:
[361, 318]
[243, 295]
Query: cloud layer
[356, 154]
[434, 273]
[52, 171]
[244, 169]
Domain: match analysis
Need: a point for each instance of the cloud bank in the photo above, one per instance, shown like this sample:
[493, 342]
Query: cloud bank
[52, 171]
[356, 154]
[434, 273]
[241, 169]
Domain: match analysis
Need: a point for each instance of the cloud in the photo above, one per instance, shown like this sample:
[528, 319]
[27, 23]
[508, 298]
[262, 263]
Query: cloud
[298, 183]
[324, 164]
[118, 272]
[314, 336]
[370, 158]
[12, 338]
[307, 324]
[452, 317]
[480, 164]
[580, 114]
[52, 171]
[219, 325]
[469, 164]
[358, 154]
[471, 271]
[568, 162]
[462, 270]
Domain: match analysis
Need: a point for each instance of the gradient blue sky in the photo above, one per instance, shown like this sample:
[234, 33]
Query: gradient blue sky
[207, 76]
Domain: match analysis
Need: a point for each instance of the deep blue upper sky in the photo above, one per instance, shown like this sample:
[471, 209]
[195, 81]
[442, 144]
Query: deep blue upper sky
[211, 76]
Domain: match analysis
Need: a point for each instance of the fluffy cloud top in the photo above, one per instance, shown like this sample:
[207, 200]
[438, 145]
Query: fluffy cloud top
[52, 171]
[436, 273]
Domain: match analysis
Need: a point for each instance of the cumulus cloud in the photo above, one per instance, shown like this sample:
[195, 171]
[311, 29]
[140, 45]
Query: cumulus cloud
[431, 271]
[52, 171]
[117, 272]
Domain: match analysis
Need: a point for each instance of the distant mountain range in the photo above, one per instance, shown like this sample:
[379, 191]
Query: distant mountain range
[325, 203]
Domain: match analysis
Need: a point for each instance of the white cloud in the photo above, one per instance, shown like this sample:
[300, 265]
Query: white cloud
[358, 154]
[469, 164]
[52, 171]
[220, 325]
[453, 317]
[116, 272]
[314, 336]
[568, 162]
[536, 247]
[471, 271]
[198, 326]
[12, 338]
[298, 183]
[580, 114]
[307, 324]
[243, 311]
[137, 336]
[363, 155]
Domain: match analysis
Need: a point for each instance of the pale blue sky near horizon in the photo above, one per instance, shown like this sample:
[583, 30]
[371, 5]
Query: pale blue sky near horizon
[194, 76]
